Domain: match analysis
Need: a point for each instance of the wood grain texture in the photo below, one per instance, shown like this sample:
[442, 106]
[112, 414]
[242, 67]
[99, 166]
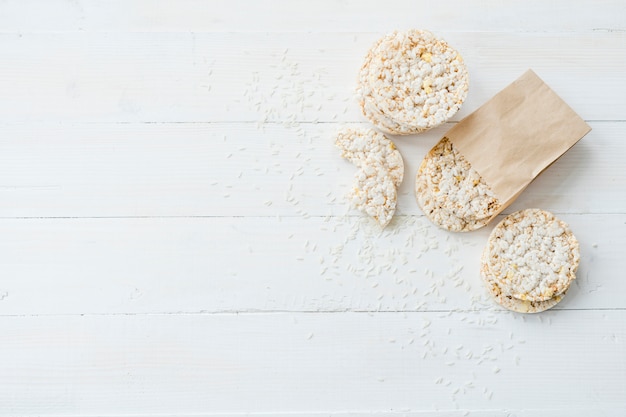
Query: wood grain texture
[247, 264]
[174, 239]
[320, 16]
[303, 364]
[285, 77]
[234, 169]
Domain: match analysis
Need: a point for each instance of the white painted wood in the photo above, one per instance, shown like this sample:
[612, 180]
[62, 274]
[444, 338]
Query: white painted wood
[232, 169]
[314, 364]
[319, 16]
[201, 77]
[173, 238]
[101, 266]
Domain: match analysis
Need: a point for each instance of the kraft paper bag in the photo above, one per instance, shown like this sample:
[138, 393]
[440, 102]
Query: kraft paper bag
[516, 135]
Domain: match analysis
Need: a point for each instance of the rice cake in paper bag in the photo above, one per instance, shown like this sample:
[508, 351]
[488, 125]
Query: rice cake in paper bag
[495, 153]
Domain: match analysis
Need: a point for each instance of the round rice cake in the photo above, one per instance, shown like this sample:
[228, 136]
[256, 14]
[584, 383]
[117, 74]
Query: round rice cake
[410, 82]
[381, 171]
[451, 193]
[532, 255]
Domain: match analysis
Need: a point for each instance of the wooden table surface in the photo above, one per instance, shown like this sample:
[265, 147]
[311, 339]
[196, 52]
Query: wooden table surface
[175, 239]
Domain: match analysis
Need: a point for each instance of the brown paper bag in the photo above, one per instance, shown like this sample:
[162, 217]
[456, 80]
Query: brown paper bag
[516, 135]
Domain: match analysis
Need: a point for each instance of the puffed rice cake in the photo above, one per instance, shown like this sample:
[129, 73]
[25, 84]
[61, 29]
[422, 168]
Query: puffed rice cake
[380, 173]
[531, 256]
[410, 82]
[451, 193]
[511, 303]
[367, 147]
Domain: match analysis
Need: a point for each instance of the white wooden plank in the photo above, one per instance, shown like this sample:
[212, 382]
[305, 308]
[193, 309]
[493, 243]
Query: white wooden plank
[303, 364]
[239, 296]
[537, 412]
[326, 15]
[146, 265]
[95, 170]
[189, 77]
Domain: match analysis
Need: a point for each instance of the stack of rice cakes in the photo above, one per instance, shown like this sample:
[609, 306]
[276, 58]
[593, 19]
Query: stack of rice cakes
[410, 82]
[530, 261]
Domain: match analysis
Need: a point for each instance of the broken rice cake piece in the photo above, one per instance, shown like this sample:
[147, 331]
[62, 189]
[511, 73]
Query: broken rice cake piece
[381, 171]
